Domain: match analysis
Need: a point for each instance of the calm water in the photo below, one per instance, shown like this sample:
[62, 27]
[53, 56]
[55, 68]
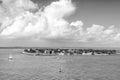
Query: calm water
[24, 67]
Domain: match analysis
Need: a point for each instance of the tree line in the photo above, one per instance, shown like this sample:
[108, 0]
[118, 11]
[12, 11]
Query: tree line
[69, 51]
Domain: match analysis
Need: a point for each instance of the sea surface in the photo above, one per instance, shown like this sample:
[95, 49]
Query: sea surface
[26, 67]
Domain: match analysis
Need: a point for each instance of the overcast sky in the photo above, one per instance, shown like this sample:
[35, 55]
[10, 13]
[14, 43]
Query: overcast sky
[64, 23]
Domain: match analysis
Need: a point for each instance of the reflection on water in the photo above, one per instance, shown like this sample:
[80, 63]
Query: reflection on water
[24, 67]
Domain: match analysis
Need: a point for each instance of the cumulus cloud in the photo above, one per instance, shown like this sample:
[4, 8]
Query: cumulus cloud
[14, 8]
[23, 4]
[23, 18]
[47, 23]
[99, 33]
[77, 30]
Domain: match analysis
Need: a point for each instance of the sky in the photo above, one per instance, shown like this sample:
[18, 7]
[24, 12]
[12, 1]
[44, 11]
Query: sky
[60, 23]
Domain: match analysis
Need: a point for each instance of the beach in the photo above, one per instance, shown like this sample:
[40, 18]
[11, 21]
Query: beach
[26, 67]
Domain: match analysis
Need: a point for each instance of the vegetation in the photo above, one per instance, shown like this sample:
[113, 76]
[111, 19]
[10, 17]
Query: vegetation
[69, 51]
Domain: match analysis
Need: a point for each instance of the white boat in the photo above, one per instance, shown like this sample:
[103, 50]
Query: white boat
[10, 57]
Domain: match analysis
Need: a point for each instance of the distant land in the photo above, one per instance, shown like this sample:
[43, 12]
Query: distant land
[21, 47]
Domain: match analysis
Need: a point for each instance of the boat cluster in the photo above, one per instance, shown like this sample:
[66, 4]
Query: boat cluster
[52, 52]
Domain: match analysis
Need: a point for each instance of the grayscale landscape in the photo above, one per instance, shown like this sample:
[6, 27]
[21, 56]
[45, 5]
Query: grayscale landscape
[59, 39]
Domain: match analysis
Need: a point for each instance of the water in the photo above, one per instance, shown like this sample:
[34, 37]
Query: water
[25, 67]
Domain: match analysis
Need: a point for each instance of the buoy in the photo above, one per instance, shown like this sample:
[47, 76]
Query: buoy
[10, 58]
[60, 70]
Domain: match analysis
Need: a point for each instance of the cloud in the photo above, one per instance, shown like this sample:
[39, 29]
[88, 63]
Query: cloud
[47, 23]
[23, 18]
[100, 33]
[76, 31]
[14, 8]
